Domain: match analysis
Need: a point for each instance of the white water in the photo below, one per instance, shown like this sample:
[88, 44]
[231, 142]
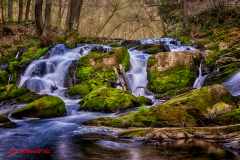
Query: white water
[42, 74]
[200, 80]
[233, 84]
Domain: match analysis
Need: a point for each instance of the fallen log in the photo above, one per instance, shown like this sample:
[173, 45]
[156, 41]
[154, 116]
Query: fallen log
[122, 70]
[118, 79]
[149, 92]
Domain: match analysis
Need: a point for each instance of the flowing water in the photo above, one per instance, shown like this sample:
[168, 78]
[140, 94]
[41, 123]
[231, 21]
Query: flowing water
[200, 80]
[67, 139]
[233, 84]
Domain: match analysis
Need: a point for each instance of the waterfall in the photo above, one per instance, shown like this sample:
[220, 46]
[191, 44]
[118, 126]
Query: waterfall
[200, 80]
[9, 78]
[233, 84]
[42, 74]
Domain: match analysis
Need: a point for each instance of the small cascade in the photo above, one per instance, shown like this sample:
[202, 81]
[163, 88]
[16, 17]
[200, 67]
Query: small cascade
[17, 54]
[52, 68]
[233, 84]
[200, 80]
[9, 78]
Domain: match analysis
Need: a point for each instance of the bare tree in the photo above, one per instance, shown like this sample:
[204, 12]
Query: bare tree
[38, 16]
[75, 11]
[27, 11]
[60, 14]
[20, 14]
[10, 10]
[3, 20]
[185, 14]
[47, 22]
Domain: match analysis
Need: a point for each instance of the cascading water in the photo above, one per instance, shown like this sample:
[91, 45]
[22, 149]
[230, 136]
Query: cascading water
[200, 80]
[44, 73]
[233, 84]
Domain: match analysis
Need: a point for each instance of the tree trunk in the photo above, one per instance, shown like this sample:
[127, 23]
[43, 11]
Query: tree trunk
[77, 11]
[185, 14]
[38, 16]
[20, 14]
[27, 11]
[2, 12]
[60, 15]
[10, 10]
[73, 4]
[68, 16]
[47, 22]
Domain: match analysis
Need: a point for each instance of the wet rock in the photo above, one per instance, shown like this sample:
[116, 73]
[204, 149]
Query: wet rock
[205, 69]
[29, 97]
[170, 70]
[231, 117]
[46, 107]
[4, 119]
[20, 53]
[99, 49]
[231, 145]
[170, 94]
[9, 125]
[210, 79]
[224, 45]
[176, 135]
[130, 43]
[208, 54]
[152, 48]
[203, 104]
[108, 100]
[225, 61]
[70, 79]
[56, 50]
[11, 91]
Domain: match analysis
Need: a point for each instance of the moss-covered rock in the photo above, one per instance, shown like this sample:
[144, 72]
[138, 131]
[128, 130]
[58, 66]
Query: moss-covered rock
[4, 119]
[95, 67]
[46, 107]
[11, 91]
[151, 48]
[231, 117]
[225, 61]
[170, 94]
[189, 109]
[29, 97]
[171, 70]
[110, 100]
[3, 78]
[227, 71]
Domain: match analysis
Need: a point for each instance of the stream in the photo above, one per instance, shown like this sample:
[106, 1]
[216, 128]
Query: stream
[66, 139]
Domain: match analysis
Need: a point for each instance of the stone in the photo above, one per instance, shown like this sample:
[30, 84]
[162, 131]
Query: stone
[231, 145]
[208, 54]
[224, 45]
[46, 107]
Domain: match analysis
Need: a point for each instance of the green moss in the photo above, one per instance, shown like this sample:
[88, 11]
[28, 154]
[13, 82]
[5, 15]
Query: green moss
[85, 73]
[33, 53]
[3, 78]
[4, 119]
[108, 100]
[114, 44]
[12, 91]
[228, 71]
[161, 82]
[28, 97]
[123, 57]
[231, 117]
[46, 107]
[81, 89]
[133, 133]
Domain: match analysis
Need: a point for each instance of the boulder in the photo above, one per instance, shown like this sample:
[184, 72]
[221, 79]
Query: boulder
[231, 117]
[130, 43]
[203, 104]
[208, 54]
[224, 45]
[110, 100]
[29, 97]
[226, 61]
[4, 119]
[170, 70]
[11, 91]
[46, 107]
[95, 67]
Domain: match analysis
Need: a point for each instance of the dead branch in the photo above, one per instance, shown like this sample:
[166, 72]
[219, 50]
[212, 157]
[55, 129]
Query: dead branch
[122, 70]
[118, 79]
[113, 82]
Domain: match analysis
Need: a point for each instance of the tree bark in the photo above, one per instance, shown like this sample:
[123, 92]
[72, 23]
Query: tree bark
[118, 80]
[78, 9]
[10, 10]
[122, 70]
[68, 17]
[20, 14]
[185, 14]
[2, 12]
[27, 11]
[38, 16]
[73, 4]
[47, 22]
[60, 15]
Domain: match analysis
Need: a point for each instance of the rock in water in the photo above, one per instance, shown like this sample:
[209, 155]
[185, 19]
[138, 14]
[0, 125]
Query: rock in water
[171, 70]
[4, 119]
[111, 100]
[46, 107]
